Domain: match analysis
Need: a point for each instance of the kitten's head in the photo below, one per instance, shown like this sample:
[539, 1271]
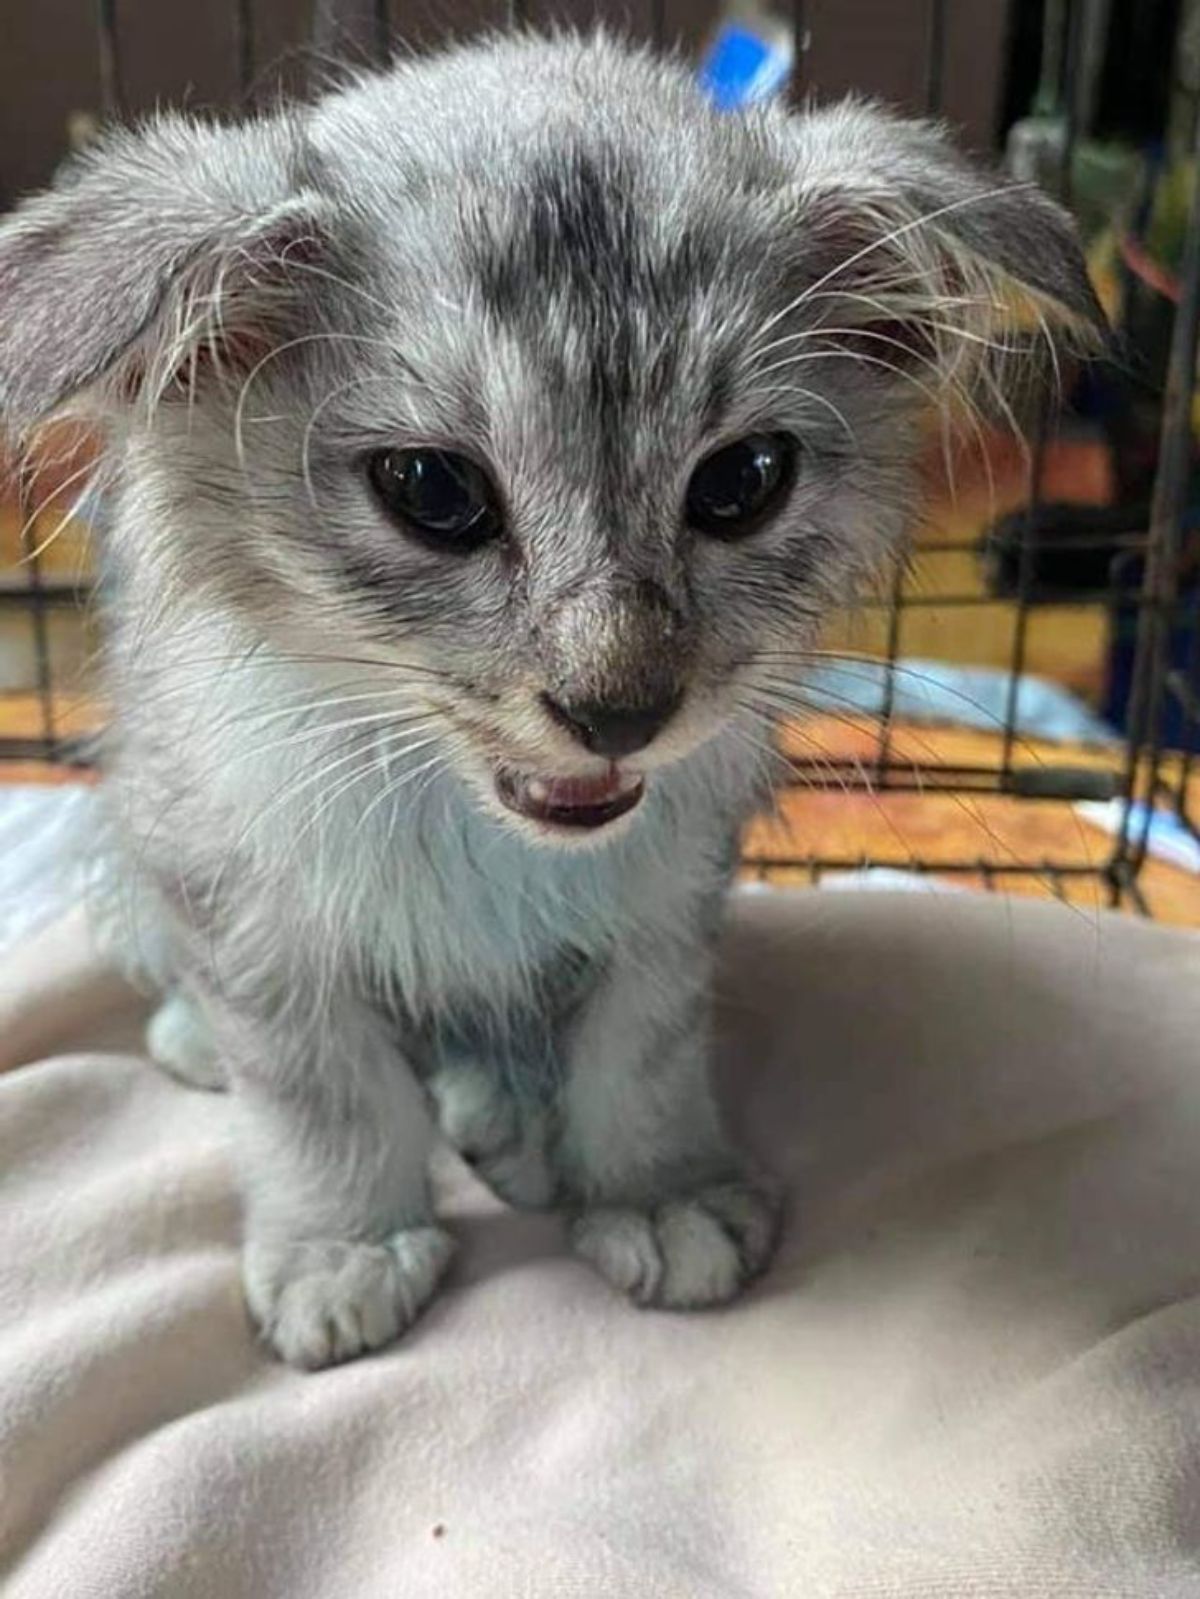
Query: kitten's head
[528, 384]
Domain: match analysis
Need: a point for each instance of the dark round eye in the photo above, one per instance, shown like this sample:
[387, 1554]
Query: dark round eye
[444, 499]
[733, 488]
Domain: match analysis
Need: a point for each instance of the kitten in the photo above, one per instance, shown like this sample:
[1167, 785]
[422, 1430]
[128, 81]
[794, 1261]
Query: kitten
[485, 444]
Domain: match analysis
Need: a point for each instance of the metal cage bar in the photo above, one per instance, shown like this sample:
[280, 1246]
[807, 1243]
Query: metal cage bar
[46, 745]
[800, 41]
[1164, 553]
[243, 46]
[112, 94]
[1037, 468]
[935, 49]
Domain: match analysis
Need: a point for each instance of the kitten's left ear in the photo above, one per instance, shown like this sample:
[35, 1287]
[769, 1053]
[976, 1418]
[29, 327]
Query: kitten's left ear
[157, 252]
[902, 232]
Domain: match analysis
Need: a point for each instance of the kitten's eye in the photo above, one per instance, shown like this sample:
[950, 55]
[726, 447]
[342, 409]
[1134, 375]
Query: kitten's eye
[732, 489]
[444, 499]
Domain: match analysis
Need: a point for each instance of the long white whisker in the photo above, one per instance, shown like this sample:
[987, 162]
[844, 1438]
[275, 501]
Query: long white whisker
[880, 243]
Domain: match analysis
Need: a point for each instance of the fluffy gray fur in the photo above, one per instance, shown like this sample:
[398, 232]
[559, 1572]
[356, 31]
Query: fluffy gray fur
[555, 257]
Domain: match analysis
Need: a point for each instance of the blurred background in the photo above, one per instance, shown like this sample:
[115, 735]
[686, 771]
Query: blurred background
[1018, 706]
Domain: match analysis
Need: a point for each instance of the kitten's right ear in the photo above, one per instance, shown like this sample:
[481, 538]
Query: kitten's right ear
[925, 261]
[155, 249]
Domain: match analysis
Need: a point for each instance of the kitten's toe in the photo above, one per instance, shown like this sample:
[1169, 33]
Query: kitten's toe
[623, 1247]
[695, 1250]
[178, 1040]
[521, 1173]
[328, 1300]
[505, 1148]
[473, 1112]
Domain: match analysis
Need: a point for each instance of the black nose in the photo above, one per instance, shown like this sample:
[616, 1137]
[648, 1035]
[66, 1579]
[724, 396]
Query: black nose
[612, 730]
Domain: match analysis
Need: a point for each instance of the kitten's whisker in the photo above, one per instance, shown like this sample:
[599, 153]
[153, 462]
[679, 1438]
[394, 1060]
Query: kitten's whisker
[290, 793]
[787, 697]
[833, 773]
[30, 554]
[273, 354]
[860, 357]
[389, 791]
[385, 721]
[902, 230]
[306, 440]
[280, 662]
[376, 766]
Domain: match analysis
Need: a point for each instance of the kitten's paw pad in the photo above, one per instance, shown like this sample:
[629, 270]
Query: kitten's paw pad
[178, 1040]
[689, 1252]
[325, 1301]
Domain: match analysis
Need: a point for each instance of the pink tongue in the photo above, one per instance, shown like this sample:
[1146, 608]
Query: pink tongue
[565, 792]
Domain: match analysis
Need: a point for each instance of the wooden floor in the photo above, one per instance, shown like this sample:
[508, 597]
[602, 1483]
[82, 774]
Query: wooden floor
[990, 834]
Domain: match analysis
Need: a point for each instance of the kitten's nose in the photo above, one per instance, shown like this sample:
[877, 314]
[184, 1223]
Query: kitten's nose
[613, 730]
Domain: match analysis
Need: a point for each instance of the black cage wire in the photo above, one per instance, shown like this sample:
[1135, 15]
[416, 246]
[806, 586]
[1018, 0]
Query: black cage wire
[1145, 586]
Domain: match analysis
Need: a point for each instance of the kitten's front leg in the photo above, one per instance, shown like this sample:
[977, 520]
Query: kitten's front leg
[341, 1251]
[669, 1213]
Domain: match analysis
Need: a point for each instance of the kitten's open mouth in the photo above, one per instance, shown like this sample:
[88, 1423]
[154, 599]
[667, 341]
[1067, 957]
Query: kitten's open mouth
[576, 802]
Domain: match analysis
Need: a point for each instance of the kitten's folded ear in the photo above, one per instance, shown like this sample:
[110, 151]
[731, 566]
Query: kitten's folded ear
[156, 251]
[911, 243]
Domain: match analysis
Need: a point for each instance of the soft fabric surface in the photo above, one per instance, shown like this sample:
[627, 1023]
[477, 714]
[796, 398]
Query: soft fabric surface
[974, 1371]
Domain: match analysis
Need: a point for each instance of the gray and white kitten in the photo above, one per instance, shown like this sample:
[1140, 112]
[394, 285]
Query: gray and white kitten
[485, 444]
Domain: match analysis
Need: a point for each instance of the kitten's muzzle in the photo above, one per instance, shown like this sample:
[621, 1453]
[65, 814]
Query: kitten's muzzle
[613, 731]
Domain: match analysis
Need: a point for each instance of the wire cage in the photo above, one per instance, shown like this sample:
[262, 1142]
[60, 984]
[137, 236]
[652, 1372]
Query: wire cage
[1140, 595]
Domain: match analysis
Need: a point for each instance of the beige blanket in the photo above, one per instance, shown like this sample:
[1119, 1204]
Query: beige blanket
[974, 1371]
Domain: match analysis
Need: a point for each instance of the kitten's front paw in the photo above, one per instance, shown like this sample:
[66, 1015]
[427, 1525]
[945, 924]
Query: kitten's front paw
[694, 1250]
[328, 1300]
